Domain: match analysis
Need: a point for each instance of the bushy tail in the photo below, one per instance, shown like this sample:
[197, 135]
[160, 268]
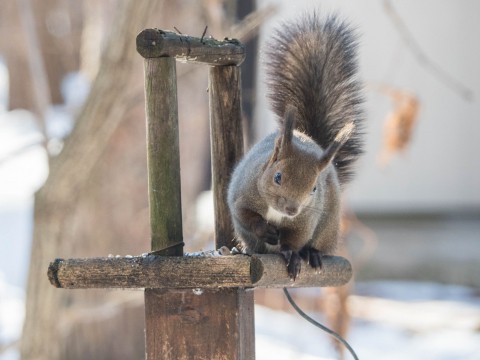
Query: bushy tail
[311, 64]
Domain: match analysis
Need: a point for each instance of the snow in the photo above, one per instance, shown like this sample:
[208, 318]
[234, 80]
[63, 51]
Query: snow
[406, 320]
[4, 81]
[430, 328]
[75, 88]
[12, 312]
[23, 169]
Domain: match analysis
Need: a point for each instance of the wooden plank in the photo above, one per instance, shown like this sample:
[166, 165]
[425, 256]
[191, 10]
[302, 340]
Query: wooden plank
[155, 43]
[196, 325]
[163, 156]
[207, 272]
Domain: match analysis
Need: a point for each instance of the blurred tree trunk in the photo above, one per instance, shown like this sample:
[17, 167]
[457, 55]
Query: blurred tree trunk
[58, 25]
[55, 25]
[94, 202]
[59, 202]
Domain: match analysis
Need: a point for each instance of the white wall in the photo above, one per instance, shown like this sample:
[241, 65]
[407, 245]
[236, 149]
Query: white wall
[441, 169]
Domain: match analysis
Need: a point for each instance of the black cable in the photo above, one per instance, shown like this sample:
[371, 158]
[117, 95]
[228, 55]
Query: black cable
[317, 324]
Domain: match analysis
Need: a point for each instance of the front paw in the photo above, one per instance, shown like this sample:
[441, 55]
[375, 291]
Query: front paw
[312, 256]
[267, 232]
[294, 262]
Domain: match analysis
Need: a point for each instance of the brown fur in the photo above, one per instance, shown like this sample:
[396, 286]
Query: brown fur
[284, 196]
[299, 212]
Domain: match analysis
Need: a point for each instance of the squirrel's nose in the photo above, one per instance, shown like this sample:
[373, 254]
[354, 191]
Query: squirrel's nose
[291, 210]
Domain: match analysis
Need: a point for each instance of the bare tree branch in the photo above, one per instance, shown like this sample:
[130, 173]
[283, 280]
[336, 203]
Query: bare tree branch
[443, 76]
[36, 64]
[250, 26]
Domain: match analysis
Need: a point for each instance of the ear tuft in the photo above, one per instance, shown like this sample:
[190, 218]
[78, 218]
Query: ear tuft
[345, 133]
[289, 124]
[284, 140]
[275, 153]
[341, 138]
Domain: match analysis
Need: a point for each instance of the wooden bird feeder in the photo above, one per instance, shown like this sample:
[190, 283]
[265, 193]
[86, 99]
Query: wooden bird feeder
[196, 307]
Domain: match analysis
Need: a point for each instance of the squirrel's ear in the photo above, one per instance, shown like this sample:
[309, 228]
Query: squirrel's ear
[341, 138]
[288, 125]
[284, 140]
[276, 151]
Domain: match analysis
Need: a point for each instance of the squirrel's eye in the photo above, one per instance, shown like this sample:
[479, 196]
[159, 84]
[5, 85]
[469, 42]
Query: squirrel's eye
[314, 189]
[278, 178]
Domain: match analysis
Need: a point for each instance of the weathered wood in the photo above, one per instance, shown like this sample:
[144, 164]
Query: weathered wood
[195, 307]
[163, 156]
[206, 272]
[336, 271]
[227, 148]
[226, 143]
[196, 325]
[163, 160]
[165, 339]
[155, 43]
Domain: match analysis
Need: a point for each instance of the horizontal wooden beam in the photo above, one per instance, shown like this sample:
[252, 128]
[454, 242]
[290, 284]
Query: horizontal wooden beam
[153, 43]
[208, 272]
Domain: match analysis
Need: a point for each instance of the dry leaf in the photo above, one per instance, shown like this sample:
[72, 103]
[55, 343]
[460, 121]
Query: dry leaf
[399, 124]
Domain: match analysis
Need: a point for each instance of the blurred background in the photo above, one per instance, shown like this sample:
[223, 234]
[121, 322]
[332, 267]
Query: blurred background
[73, 174]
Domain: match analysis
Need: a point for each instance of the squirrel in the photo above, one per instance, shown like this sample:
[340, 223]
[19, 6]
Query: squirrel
[284, 195]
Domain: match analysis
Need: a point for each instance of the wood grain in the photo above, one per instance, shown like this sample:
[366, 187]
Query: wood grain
[185, 325]
[226, 143]
[163, 156]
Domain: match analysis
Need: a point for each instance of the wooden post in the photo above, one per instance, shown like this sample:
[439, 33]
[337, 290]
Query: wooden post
[226, 139]
[227, 149]
[163, 159]
[163, 156]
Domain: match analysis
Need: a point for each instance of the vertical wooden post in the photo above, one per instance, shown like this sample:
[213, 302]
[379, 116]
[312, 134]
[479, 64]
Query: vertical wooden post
[163, 159]
[163, 156]
[226, 141]
[227, 149]
[182, 324]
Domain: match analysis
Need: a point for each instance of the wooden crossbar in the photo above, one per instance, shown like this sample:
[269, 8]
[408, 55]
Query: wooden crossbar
[206, 272]
[155, 43]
